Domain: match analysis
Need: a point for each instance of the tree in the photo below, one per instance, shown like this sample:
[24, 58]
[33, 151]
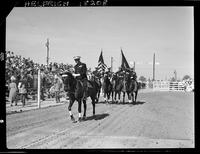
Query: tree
[186, 77]
[142, 78]
[173, 79]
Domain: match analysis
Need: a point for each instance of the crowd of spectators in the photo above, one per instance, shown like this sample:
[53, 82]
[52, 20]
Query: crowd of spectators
[24, 71]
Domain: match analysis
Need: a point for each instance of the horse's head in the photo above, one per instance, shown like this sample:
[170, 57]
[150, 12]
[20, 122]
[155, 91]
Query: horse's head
[92, 77]
[68, 80]
[127, 77]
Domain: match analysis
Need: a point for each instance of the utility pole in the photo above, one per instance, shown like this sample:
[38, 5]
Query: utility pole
[47, 45]
[134, 66]
[111, 64]
[153, 66]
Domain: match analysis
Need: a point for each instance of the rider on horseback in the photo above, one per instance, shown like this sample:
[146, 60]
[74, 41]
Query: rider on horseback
[120, 72]
[133, 75]
[81, 74]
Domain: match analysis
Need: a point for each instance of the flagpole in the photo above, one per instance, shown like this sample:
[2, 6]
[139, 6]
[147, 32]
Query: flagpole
[111, 64]
[121, 55]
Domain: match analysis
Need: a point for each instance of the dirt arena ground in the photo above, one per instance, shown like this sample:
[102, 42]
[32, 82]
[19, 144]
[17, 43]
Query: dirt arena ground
[156, 120]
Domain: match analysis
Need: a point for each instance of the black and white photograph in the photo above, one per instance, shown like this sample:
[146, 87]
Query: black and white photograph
[119, 77]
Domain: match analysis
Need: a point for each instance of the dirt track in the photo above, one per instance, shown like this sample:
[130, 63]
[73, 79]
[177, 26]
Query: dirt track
[157, 120]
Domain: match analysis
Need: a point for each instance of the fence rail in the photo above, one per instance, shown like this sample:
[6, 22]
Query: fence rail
[168, 86]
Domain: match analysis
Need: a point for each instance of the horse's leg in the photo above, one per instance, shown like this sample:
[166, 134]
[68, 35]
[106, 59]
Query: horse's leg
[132, 96]
[115, 99]
[124, 97]
[104, 96]
[108, 96]
[79, 110]
[99, 94]
[136, 95]
[93, 105]
[71, 102]
[119, 94]
[85, 108]
[129, 97]
[97, 99]
[112, 95]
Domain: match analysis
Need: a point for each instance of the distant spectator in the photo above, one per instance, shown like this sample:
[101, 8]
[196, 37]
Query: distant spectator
[42, 89]
[57, 88]
[23, 89]
[12, 91]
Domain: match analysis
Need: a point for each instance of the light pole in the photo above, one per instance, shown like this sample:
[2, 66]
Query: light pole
[153, 66]
[47, 45]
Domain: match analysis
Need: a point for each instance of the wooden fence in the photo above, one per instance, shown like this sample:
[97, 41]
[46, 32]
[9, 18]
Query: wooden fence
[168, 86]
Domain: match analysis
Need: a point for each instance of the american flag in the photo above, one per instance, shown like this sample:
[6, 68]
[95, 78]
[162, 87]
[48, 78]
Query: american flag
[101, 65]
[124, 64]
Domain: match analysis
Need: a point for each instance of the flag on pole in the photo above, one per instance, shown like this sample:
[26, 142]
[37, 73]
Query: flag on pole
[47, 43]
[124, 64]
[101, 65]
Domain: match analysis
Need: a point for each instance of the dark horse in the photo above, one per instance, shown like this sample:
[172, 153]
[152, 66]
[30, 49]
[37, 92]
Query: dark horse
[130, 86]
[97, 82]
[75, 91]
[117, 85]
[106, 87]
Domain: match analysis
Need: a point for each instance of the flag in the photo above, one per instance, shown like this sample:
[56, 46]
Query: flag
[101, 65]
[47, 43]
[124, 64]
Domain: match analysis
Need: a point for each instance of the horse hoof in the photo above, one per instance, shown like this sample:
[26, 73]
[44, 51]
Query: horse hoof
[80, 119]
[84, 118]
[73, 119]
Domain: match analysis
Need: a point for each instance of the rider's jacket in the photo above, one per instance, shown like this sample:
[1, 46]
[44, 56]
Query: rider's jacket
[81, 69]
[120, 73]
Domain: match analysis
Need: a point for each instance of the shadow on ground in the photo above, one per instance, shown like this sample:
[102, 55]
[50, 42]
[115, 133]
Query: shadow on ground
[121, 103]
[97, 117]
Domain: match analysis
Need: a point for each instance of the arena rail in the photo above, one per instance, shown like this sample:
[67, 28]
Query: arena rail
[168, 86]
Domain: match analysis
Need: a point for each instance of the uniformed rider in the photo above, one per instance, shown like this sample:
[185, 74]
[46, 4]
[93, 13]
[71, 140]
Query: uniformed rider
[120, 72]
[133, 76]
[81, 74]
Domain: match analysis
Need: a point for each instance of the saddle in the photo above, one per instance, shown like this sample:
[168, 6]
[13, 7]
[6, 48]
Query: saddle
[89, 84]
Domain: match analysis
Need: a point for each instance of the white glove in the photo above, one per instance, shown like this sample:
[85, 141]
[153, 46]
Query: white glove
[75, 75]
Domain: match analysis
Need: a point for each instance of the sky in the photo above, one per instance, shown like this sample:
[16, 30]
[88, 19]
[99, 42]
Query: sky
[85, 31]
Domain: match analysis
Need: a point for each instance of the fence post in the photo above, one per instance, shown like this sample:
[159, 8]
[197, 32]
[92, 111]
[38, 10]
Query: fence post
[38, 92]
